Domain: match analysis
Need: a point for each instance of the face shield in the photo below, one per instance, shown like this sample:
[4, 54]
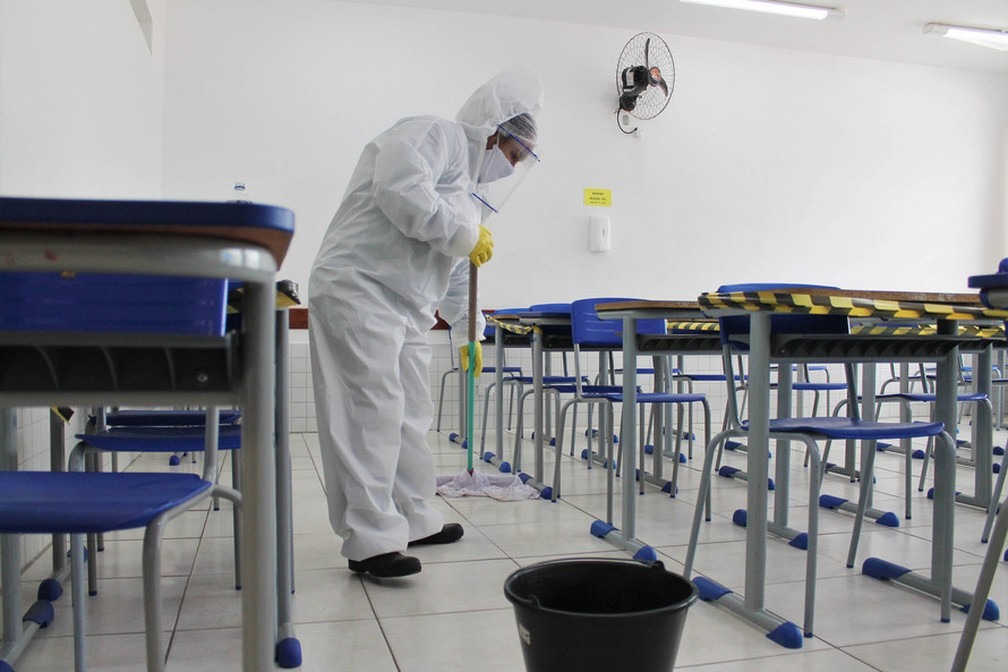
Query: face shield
[506, 164]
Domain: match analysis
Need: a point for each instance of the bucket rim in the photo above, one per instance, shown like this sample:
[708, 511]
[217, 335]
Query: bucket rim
[533, 603]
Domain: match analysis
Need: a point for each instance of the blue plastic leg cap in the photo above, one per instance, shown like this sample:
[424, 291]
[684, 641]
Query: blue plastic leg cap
[505, 467]
[488, 456]
[800, 541]
[173, 461]
[740, 517]
[918, 454]
[882, 446]
[831, 501]
[546, 493]
[288, 653]
[682, 459]
[453, 437]
[727, 472]
[600, 528]
[880, 569]
[584, 453]
[552, 441]
[49, 590]
[998, 450]
[889, 519]
[787, 635]
[1006, 556]
[41, 612]
[524, 477]
[646, 554]
[732, 445]
[5, 666]
[649, 449]
[770, 485]
[996, 468]
[709, 590]
[465, 444]
[668, 488]
[990, 612]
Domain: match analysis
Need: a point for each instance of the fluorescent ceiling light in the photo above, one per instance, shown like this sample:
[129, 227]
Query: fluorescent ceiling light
[995, 39]
[774, 7]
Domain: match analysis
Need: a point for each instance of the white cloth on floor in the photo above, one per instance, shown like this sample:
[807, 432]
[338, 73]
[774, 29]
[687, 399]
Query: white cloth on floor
[501, 488]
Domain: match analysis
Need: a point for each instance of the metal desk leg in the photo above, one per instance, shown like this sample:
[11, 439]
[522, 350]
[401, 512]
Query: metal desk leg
[939, 584]
[537, 401]
[499, 401]
[751, 606]
[288, 648]
[259, 547]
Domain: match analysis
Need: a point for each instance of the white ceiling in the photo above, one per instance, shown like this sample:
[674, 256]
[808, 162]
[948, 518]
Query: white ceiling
[889, 30]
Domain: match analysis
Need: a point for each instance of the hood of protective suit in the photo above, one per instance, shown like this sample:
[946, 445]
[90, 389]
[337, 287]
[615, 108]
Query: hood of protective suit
[512, 92]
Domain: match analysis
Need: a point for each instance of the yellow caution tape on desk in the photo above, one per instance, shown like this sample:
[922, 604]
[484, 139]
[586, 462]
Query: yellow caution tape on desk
[972, 330]
[825, 304]
[510, 326]
[692, 325]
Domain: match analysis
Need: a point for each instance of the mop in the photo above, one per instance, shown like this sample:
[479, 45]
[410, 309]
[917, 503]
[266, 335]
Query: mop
[472, 483]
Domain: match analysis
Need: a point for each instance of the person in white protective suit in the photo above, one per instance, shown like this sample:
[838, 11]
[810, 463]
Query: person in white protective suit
[410, 216]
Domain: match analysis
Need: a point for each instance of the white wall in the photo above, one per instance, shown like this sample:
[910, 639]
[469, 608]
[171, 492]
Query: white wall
[80, 100]
[767, 165]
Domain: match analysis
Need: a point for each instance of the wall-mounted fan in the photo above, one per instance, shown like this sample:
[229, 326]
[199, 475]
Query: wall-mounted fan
[645, 78]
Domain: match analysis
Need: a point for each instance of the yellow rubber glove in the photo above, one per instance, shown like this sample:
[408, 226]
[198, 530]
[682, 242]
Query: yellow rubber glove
[464, 357]
[483, 250]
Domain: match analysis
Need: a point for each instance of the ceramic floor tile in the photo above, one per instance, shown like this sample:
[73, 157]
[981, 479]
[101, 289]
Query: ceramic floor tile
[441, 588]
[935, 652]
[456, 642]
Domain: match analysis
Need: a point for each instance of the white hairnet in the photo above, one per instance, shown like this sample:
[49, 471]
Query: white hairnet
[522, 127]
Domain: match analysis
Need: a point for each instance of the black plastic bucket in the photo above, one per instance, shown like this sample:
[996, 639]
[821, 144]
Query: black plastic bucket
[593, 614]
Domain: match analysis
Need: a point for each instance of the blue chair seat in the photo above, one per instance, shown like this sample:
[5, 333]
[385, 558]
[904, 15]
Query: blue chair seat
[818, 387]
[649, 397]
[850, 428]
[47, 502]
[148, 418]
[181, 439]
[930, 397]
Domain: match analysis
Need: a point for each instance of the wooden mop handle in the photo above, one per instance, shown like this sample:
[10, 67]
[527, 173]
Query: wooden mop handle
[472, 302]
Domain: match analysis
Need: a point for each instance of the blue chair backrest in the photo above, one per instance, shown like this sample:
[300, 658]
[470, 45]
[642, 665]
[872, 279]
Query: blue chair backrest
[782, 323]
[111, 303]
[549, 308]
[588, 329]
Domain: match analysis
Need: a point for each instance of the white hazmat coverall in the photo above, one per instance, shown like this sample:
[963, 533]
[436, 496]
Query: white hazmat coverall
[384, 264]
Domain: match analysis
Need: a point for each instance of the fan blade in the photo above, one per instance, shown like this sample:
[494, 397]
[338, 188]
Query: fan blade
[657, 80]
[647, 53]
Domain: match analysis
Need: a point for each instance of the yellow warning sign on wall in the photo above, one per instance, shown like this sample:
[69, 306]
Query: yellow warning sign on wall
[599, 197]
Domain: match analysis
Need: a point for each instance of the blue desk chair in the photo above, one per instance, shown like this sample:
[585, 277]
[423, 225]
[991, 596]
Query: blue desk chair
[590, 333]
[176, 432]
[810, 431]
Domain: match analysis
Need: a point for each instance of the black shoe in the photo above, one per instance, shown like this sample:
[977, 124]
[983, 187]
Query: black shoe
[386, 565]
[449, 534]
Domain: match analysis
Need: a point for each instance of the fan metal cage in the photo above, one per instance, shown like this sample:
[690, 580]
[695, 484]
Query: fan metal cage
[645, 76]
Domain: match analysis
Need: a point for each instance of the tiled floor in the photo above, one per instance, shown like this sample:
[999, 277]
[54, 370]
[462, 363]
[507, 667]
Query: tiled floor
[454, 616]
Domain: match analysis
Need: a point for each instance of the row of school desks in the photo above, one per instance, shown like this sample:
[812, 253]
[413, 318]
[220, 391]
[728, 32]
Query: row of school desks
[945, 311]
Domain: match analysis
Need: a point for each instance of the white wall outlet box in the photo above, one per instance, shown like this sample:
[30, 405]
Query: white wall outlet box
[599, 234]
